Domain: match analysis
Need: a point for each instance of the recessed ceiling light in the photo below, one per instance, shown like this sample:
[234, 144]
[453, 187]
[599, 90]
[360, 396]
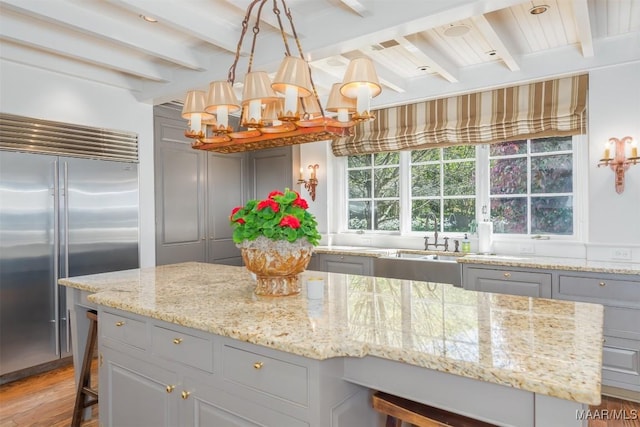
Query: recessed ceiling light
[456, 30]
[423, 68]
[149, 19]
[539, 10]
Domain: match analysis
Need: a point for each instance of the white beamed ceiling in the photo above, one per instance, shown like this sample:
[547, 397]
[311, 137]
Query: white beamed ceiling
[194, 42]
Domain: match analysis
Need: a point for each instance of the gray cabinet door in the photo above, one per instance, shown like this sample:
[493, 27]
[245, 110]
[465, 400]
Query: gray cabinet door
[507, 281]
[271, 169]
[136, 393]
[226, 186]
[180, 177]
[346, 264]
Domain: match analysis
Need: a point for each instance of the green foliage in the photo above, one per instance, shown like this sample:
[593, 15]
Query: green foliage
[281, 216]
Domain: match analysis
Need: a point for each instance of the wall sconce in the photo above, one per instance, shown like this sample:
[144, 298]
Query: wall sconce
[620, 163]
[312, 182]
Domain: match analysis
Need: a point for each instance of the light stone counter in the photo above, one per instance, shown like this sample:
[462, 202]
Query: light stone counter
[568, 264]
[544, 346]
[552, 263]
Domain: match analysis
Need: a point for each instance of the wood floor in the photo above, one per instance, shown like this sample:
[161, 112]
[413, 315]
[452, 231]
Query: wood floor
[46, 400]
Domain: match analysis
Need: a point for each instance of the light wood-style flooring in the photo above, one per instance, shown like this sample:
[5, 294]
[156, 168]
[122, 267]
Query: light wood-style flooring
[46, 400]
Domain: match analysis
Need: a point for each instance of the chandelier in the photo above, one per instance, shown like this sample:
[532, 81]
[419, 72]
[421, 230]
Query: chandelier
[279, 112]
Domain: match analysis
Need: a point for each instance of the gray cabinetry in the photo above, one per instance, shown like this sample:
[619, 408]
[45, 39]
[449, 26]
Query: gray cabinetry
[345, 264]
[134, 392]
[156, 373]
[620, 295]
[196, 191]
[507, 281]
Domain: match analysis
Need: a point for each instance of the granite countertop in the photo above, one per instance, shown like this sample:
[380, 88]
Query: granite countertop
[540, 345]
[551, 263]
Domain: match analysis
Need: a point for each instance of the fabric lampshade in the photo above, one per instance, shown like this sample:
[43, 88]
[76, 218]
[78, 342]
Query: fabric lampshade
[294, 72]
[221, 94]
[360, 71]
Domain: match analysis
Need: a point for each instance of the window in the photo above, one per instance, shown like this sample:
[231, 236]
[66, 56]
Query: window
[531, 186]
[528, 188]
[443, 189]
[374, 192]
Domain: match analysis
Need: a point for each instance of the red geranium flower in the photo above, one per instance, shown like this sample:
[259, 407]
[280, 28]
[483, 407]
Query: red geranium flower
[301, 203]
[269, 203]
[274, 193]
[290, 221]
[233, 212]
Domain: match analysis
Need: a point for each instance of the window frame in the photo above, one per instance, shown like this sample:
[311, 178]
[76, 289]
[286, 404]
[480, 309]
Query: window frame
[339, 216]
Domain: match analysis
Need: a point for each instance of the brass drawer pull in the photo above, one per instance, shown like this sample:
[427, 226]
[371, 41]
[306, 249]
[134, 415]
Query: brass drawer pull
[185, 394]
[258, 365]
[120, 323]
[170, 388]
[507, 275]
[603, 284]
[177, 340]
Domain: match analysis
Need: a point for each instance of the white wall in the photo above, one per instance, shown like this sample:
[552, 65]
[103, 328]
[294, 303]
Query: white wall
[614, 111]
[31, 92]
[613, 220]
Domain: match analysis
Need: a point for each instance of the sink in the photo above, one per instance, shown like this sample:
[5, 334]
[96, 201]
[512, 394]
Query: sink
[416, 266]
[432, 257]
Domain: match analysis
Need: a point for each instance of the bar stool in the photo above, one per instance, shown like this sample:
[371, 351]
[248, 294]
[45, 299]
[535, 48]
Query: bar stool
[417, 414]
[86, 396]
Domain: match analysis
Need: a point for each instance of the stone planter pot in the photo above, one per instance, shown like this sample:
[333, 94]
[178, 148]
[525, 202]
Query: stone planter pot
[276, 264]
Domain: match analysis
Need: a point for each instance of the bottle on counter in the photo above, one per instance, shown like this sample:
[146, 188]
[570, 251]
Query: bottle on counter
[466, 244]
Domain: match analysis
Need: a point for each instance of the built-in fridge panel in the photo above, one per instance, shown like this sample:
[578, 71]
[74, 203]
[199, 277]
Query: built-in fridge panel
[27, 261]
[59, 217]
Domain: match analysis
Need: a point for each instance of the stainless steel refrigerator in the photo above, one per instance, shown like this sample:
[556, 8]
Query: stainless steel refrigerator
[59, 217]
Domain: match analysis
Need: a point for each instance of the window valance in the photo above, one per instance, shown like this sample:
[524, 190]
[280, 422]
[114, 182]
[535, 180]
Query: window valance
[550, 108]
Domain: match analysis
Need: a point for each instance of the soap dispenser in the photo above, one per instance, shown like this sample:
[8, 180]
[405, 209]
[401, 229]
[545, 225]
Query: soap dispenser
[466, 244]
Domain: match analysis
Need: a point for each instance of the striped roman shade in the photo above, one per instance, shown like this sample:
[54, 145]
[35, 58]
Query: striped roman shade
[550, 108]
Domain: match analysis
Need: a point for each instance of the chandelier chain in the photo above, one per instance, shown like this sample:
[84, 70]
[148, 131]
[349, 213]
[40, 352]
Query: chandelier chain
[256, 30]
[276, 11]
[231, 76]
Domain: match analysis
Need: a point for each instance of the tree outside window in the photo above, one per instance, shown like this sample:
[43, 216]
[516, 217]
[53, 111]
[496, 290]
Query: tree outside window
[443, 188]
[374, 192]
[531, 186]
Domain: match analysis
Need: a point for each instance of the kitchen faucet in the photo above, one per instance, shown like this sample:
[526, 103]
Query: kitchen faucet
[435, 244]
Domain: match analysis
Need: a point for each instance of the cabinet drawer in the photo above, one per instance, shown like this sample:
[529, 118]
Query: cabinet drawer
[123, 329]
[181, 347]
[523, 283]
[621, 360]
[600, 289]
[275, 377]
[622, 322]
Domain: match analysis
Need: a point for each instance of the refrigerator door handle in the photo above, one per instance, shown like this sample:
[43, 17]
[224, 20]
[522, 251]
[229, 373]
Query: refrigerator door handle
[66, 219]
[56, 252]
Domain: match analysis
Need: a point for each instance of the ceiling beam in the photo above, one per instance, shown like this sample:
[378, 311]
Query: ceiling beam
[356, 6]
[495, 41]
[184, 17]
[268, 18]
[15, 29]
[57, 64]
[437, 62]
[583, 27]
[101, 26]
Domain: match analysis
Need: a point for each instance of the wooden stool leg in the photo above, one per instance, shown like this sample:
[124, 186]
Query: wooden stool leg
[85, 396]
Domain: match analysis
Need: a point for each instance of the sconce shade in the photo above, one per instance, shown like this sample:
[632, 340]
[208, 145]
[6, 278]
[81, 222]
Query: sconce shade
[221, 94]
[294, 72]
[360, 72]
[337, 101]
[258, 86]
[194, 104]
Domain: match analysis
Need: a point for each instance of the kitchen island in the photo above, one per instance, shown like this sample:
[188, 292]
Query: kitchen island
[190, 344]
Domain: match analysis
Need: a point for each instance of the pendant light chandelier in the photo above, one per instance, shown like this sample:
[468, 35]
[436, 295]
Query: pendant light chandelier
[285, 111]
